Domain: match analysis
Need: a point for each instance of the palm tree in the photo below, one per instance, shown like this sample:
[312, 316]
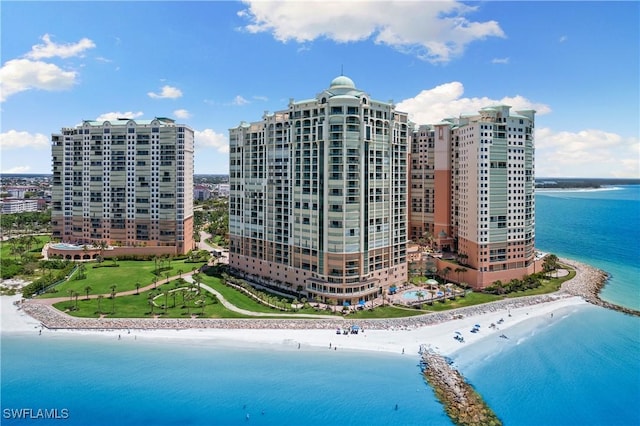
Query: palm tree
[550, 263]
[76, 295]
[202, 302]
[113, 298]
[197, 279]
[445, 272]
[100, 297]
[87, 289]
[102, 245]
[137, 288]
[432, 292]
[188, 297]
[419, 295]
[166, 300]
[460, 270]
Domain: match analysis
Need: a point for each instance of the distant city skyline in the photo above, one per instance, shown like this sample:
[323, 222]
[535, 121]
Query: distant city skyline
[210, 65]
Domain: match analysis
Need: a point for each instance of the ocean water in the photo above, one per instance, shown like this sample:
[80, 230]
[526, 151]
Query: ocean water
[601, 228]
[581, 367]
[104, 381]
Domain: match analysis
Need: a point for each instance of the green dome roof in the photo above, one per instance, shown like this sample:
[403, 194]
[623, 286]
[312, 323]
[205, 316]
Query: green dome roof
[342, 82]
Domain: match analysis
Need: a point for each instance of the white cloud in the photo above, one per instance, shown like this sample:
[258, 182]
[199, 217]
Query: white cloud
[261, 98]
[17, 169]
[500, 61]
[432, 31]
[167, 92]
[110, 116]
[182, 113]
[208, 138]
[432, 105]
[587, 153]
[18, 75]
[239, 100]
[50, 49]
[14, 139]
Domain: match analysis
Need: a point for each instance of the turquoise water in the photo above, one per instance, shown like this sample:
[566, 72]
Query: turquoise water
[413, 295]
[580, 367]
[601, 228]
[131, 382]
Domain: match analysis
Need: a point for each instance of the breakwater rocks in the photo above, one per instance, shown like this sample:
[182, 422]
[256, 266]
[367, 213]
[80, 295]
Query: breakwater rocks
[587, 284]
[55, 319]
[462, 403]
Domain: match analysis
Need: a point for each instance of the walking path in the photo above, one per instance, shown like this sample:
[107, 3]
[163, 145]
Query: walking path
[234, 308]
[583, 284]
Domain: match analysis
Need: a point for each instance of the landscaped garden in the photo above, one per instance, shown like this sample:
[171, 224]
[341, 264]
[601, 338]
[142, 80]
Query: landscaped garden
[126, 275]
[21, 258]
[176, 299]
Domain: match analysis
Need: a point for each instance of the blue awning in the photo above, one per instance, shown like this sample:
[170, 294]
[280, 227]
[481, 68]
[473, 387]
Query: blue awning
[362, 303]
[346, 304]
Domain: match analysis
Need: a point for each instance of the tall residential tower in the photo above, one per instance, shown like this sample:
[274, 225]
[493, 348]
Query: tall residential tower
[318, 201]
[126, 183]
[472, 193]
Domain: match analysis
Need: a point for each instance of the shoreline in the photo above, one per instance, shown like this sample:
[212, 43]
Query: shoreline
[394, 335]
[304, 333]
[588, 283]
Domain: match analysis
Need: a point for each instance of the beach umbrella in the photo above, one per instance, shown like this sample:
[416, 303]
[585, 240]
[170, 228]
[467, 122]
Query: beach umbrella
[477, 325]
[431, 281]
[457, 332]
[355, 327]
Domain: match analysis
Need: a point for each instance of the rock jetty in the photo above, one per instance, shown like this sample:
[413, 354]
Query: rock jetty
[54, 319]
[462, 403]
[588, 283]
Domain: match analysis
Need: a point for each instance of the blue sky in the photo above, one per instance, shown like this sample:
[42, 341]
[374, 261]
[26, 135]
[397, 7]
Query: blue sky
[212, 65]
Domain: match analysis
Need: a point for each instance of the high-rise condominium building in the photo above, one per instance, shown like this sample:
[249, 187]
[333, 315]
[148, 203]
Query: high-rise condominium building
[126, 183]
[318, 196]
[472, 193]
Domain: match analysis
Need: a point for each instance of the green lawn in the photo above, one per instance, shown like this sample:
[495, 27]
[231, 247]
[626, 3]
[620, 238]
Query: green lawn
[548, 286]
[5, 247]
[238, 298]
[137, 306]
[382, 312]
[124, 276]
[460, 302]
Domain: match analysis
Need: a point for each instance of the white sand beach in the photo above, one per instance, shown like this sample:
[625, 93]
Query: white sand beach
[394, 340]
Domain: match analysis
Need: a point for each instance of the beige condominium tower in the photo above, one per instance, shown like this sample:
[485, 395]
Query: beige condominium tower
[124, 183]
[318, 196]
[472, 194]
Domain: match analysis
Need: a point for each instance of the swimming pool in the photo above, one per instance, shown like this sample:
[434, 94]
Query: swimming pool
[413, 295]
[65, 246]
